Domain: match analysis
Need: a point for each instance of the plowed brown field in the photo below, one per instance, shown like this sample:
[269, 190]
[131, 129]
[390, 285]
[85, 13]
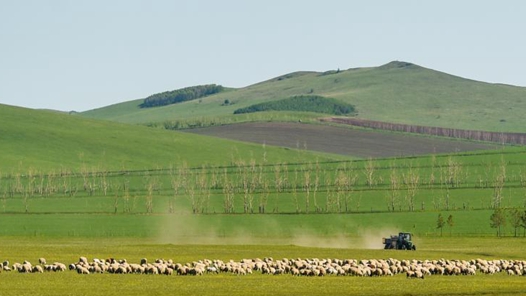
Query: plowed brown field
[338, 140]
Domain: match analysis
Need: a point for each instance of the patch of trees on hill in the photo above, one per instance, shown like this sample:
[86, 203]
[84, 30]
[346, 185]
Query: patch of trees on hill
[181, 95]
[498, 137]
[316, 104]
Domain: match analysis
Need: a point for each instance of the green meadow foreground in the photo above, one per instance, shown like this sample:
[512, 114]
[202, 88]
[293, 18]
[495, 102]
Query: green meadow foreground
[67, 250]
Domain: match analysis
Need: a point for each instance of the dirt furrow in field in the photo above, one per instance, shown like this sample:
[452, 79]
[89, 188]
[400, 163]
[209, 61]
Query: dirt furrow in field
[337, 140]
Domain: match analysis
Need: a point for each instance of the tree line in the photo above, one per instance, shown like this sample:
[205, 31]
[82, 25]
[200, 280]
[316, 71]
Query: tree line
[498, 137]
[501, 217]
[181, 95]
[304, 103]
[498, 219]
[303, 187]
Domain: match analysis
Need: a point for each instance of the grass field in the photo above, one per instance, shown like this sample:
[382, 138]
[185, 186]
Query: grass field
[68, 250]
[407, 94]
[323, 230]
[252, 198]
[73, 187]
[71, 283]
[51, 141]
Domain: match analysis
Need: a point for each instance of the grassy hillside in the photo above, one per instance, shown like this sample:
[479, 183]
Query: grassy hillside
[43, 140]
[396, 92]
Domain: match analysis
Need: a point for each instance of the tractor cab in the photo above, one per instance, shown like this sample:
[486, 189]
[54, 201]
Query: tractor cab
[405, 236]
[405, 242]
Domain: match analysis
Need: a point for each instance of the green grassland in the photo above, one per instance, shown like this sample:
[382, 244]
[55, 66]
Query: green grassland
[102, 179]
[49, 141]
[71, 187]
[323, 230]
[68, 283]
[103, 284]
[319, 196]
[407, 94]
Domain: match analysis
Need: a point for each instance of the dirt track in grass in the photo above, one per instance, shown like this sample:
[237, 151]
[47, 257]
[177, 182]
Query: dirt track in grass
[338, 140]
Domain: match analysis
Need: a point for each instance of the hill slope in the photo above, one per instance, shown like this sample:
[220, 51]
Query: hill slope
[44, 140]
[396, 92]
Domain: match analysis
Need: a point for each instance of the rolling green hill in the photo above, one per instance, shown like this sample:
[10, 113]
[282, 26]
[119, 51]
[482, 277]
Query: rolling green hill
[44, 140]
[396, 92]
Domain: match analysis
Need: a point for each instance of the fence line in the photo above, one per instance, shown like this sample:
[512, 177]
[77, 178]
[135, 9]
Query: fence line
[497, 137]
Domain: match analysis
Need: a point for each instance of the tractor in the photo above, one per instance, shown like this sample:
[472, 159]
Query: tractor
[402, 241]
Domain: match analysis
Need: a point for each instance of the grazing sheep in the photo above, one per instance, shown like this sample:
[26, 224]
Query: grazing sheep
[195, 271]
[152, 270]
[168, 271]
[425, 271]
[471, 271]
[295, 272]
[49, 267]
[212, 269]
[25, 268]
[95, 269]
[110, 260]
[295, 267]
[415, 274]
[121, 270]
[239, 271]
[59, 266]
[82, 270]
[356, 271]
[37, 269]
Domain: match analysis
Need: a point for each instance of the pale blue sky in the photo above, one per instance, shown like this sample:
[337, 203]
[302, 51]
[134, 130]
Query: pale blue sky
[80, 55]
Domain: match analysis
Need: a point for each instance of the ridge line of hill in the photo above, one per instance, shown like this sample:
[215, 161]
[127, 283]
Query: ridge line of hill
[397, 92]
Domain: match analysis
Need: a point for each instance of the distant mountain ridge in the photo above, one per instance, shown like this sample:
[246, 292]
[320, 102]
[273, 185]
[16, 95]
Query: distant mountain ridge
[398, 92]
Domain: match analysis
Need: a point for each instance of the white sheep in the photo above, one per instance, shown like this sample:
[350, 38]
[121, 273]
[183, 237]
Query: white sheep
[37, 269]
[212, 269]
[25, 268]
[415, 274]
[59, 266]
[82, 270]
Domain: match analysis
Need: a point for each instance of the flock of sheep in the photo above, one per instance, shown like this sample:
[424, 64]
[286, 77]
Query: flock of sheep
[295, 267]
